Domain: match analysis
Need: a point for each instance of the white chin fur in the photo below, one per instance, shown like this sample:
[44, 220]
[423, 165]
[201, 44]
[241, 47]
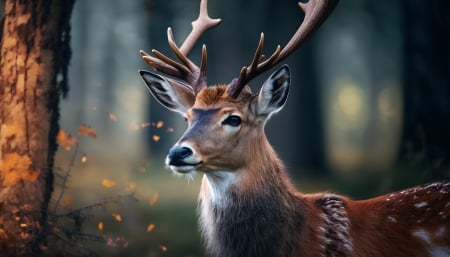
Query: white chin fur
[182, 169]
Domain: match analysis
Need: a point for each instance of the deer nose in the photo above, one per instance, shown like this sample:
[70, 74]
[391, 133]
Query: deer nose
[178, 154]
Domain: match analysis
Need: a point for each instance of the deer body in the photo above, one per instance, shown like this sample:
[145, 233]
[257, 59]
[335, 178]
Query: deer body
[248, 206]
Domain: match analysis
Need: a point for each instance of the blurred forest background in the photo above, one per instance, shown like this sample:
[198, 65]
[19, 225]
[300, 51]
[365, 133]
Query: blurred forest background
[369, 109]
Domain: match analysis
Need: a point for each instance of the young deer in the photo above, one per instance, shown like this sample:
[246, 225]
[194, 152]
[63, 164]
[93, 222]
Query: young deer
[248, 206]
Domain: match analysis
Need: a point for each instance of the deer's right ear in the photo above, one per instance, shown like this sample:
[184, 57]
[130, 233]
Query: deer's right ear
[173, 95]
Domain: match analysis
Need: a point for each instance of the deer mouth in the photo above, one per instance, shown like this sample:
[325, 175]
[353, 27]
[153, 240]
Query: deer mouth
[183, 167]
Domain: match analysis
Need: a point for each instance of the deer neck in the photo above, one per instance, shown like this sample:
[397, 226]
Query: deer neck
[262, 172]
[236, 205]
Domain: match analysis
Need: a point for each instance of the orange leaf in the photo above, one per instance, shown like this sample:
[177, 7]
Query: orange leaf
[150, 227]
[117, 217]
[154, 198]
[84, 158]
[156, 138]
[100, 226]
[85, 130]
[132, 185]
[108, 183]
[65, 140]
[159, 124]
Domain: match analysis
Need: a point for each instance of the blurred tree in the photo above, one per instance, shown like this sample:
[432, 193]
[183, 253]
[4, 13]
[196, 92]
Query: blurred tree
[427, 82]
[35, 54]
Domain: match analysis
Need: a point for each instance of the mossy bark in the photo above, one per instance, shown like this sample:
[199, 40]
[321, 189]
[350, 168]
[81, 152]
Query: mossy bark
[33, 67]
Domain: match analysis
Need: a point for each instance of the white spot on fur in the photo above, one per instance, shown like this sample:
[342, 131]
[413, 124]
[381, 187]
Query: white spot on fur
[432, 185]
[421, 204]
[438, 252]
[422, 234]
[392, 219]
[425, 236]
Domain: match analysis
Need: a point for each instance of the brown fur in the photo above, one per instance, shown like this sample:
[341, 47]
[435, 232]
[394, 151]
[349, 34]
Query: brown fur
[259, 213]
[374, 225]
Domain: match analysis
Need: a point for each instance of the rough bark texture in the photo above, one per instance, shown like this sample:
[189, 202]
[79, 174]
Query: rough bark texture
[33, 69]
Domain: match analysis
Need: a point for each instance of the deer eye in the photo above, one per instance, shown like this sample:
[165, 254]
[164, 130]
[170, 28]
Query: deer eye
[232, 120]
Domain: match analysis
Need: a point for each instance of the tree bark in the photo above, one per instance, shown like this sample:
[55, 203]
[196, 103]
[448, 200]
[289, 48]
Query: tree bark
[34, 56]
[427, 82]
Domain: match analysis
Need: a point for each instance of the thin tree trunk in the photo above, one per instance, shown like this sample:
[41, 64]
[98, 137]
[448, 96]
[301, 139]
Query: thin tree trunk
[34, 56]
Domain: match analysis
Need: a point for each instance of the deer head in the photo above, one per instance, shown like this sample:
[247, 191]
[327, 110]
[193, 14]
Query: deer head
[225, 122]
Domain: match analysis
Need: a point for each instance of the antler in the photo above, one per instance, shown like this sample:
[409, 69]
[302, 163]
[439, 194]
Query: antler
[186, 70]
[316, 11]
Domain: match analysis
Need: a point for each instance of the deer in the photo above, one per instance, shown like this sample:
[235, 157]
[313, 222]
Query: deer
[248, 206]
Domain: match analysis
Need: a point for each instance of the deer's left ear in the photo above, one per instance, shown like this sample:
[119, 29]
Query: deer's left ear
[274, 92]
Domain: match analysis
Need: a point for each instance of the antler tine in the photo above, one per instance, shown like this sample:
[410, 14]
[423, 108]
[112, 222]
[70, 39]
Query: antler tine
[247, 74]
[315, 14]
[186, 70]
[316, 11]
[162, 63]
[199, 26]
[201, 81]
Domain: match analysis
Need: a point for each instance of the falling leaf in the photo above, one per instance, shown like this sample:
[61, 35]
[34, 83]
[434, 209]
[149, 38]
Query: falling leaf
[170, 130]
[84, 158]
[65, 140]
[108, 183]
[159, 124]
[112, 117]
[154, 198]
[163, 248]
[150, 227]
[145, 124]
[156, 138]
[85, 130]
[117, 217]
[100, 226]
[132, 185]
[133, 126]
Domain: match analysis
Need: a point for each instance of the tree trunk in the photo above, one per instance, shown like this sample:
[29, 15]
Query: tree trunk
[34, 56]
[427, 82]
